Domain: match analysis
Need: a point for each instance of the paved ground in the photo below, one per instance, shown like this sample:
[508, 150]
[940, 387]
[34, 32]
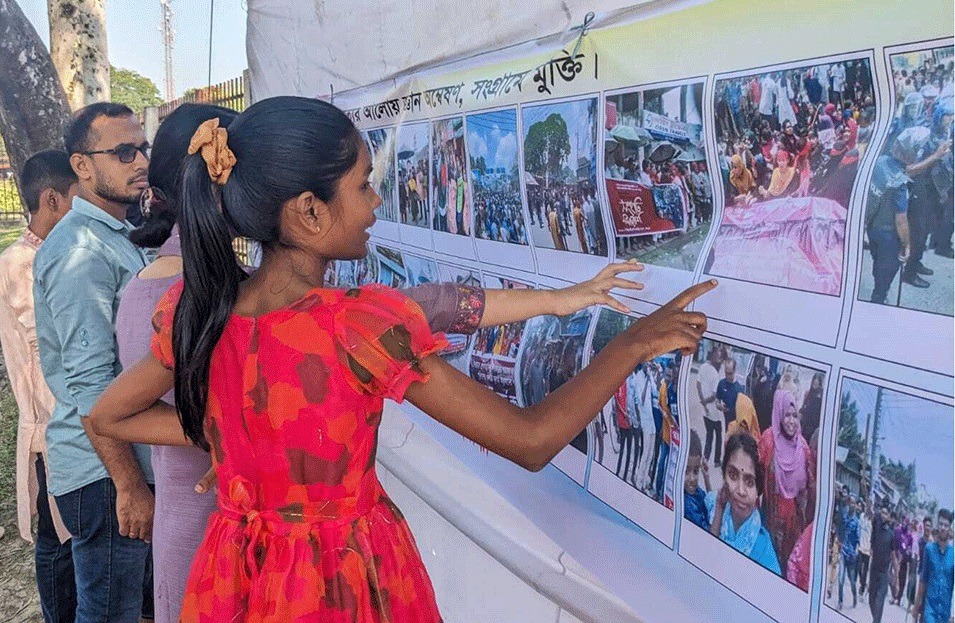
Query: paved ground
[937, 298]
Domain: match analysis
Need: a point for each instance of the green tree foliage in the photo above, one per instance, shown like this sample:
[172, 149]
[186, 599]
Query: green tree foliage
[133, 89]
[849, 435]
[546, 146]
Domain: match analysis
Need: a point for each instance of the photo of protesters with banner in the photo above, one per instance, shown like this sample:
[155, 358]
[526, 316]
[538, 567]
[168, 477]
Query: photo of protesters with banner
[381, 147]
[658, 183]
[790, 142]
[893, 482]
[495, 177]
[552, 352]
[765, 442]
[560, 176]
[450, 199]
[413, 173]
[637, 434]
[494, 356]
[908, 211]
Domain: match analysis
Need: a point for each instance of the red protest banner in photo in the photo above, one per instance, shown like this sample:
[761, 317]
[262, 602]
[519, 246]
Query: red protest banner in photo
[634, 211]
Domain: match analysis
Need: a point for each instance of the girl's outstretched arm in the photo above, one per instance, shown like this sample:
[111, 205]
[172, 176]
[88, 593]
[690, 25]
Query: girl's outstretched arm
[532, 436]
[504, 306]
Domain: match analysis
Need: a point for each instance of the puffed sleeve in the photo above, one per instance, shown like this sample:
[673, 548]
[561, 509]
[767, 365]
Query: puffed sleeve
[450, 307]
[162, 326]
[381, 336]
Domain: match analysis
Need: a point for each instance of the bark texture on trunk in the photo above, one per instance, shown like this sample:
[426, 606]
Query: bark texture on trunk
[78, 49]
[33, 106]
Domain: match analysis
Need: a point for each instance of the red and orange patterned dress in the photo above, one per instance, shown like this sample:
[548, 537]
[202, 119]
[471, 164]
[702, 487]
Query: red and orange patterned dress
[304, 531]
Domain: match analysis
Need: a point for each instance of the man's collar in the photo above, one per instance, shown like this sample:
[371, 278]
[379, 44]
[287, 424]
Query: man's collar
[86, 208]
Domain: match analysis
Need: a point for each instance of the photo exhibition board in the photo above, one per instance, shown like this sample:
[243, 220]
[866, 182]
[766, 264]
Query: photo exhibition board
[809, 170]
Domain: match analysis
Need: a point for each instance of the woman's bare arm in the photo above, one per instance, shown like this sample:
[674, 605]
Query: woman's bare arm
[505, 306]
[131, 408]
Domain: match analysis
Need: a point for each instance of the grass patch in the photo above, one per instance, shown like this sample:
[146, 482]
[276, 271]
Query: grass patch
[9, 235]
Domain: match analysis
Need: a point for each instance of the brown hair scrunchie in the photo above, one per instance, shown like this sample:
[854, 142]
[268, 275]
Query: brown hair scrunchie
[212, 142]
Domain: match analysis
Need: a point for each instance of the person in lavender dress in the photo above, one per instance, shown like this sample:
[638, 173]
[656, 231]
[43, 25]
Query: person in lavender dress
[183, 474]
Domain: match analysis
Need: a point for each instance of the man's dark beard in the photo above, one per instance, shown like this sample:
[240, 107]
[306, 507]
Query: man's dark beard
[109, 194]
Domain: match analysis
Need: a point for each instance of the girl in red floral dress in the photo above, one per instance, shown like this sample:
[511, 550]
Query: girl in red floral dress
[283, 380]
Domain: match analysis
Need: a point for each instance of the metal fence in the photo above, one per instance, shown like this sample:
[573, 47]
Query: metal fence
[11, 210]
[229, 94]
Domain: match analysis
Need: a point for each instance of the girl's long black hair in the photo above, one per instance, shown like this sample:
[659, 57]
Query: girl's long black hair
[284, 146]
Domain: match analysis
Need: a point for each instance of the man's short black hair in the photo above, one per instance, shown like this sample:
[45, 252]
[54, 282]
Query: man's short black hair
[45, 169]
[76, 135]
[945, 513]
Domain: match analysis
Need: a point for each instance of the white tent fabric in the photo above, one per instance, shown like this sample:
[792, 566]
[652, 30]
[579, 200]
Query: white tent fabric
[319, 47]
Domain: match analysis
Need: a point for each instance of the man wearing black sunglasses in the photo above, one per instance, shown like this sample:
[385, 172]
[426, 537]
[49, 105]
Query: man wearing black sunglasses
[102, 488]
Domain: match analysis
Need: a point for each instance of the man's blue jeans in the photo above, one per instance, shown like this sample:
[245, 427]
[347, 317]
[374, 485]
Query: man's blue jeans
[113, 572]
[54, 561]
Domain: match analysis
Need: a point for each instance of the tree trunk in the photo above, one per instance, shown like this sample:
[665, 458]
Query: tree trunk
[78, 49]
[33, 106]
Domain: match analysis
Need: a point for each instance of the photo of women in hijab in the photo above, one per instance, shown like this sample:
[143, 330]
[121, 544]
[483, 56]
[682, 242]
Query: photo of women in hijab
[789, 490]
[766, 404]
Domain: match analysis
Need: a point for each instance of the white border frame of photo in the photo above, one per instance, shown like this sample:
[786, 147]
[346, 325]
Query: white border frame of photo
[664, 282]
[571, 461]
[566, 265]
[504, 254]
[455, 245]
[652, 516]
[935, 331]
[414, 235]
[389, 230]
[790, 304]
[772, 594]
[826, 614]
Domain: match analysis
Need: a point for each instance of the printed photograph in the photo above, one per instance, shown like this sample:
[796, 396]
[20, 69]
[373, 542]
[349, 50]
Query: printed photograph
[552, 353]
[750, 476]
[391, 267]
[637, 433]
[495, 177]
[450, 200]
[889, 551]
[459, 345]
[494, 356]
[381, 147]
[908, 212]
[789, 145]
[420, 270]
[560, 176]
[413, 173]
[658, 183]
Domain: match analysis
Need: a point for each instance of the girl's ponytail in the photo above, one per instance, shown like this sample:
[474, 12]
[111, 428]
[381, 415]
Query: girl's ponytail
[211, 275]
